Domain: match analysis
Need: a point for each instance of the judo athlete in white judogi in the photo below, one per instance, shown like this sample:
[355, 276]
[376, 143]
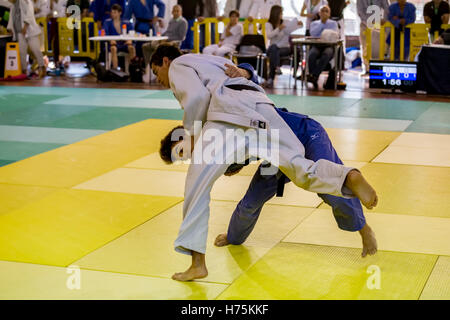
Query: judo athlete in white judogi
[221, 103]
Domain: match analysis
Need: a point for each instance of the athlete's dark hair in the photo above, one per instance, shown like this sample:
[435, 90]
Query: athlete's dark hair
[116, 7]
[234, 12]
[165, 50]
[165, 150]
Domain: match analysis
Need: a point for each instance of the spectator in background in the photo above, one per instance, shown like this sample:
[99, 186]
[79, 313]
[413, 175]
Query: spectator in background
[102, 10]
[277, 32]
[444, 38]
[243, 6]
[231, 37]
[113, 27]
[261, 9]
[82, 4]
[57, 10]
[176, 31]
[320, 56]
[190, 10]
[144, 14]
[209, 11]
[362, 6]
[401, 13]
[436, 12]
[41, 8]
[310, 10]
[337, 14]
[25, 30]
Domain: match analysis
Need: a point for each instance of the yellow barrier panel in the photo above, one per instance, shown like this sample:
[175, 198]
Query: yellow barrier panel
[73, 37]
[418, 37]
[208, 21]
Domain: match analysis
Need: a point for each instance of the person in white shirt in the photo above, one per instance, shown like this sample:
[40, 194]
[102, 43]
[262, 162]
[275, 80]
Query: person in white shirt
[260, 9]
[25, 30]
[231, 37]
[320, 56]
[310, 10]
[41, 8]
[278, 32]
[243, 6]
[57, 10]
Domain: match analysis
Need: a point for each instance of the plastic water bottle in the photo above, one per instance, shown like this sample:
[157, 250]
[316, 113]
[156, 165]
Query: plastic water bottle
[124, 29]
[151, 33]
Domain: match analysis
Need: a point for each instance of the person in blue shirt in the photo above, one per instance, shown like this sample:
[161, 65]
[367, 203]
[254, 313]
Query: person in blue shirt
[320, 56]
[102, 10]
[400, 15]
[113, 27]
[144, 14]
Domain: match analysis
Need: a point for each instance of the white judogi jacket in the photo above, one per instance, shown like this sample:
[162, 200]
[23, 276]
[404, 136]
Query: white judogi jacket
[202, 93]
[27, 15]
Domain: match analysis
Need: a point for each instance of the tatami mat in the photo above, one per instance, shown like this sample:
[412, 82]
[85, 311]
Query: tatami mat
[438, 285]
[21, 281]
[148, 249]
[298, 271]
[393, 232]
[360, 145]
[16, 196]
[418, 149]
[68, 224]
[410, 190]
[171, 183]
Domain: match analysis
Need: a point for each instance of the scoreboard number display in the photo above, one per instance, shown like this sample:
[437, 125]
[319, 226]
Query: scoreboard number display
[393, 75]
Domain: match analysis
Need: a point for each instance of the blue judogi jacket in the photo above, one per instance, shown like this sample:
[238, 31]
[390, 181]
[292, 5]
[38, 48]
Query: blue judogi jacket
[143, 14]
[111, 31]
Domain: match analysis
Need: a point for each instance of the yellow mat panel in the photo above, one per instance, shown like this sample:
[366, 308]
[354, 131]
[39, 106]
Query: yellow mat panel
[148, 249]
[68, 224]
[438, 285]
[415, 156]
[296, 271]
[360, 145]
[171, 183]
[38, 282]
[411, 190]
[422, 140]
[144, 134]
[15, 196]
[78, 162]
[394, 232]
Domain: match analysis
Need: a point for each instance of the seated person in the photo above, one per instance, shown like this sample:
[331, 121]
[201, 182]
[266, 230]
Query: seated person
[436, 12]
[176, 31]
[230, 37]
[278, 32]
[113, 27]
[444, 38]
[320, 55]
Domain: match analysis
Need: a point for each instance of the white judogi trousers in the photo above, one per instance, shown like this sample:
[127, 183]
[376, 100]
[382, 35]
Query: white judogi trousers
[321, 176]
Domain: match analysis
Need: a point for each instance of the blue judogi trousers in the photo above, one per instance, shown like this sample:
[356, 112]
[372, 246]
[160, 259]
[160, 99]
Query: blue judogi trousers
[348, 213]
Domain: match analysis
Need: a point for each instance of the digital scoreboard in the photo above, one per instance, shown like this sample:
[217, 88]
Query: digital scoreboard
[393, 75]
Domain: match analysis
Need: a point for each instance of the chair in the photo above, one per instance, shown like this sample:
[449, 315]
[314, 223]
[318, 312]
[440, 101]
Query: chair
[126, 57]
[252, 48]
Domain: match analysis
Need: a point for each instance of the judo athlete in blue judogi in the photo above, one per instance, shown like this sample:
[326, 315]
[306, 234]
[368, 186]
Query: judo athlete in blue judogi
[348, 213]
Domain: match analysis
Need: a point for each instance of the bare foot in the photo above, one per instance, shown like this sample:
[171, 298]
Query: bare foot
[191, 274]
[369, 241]
[362, 189]
[196, 271]
[221, 240]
